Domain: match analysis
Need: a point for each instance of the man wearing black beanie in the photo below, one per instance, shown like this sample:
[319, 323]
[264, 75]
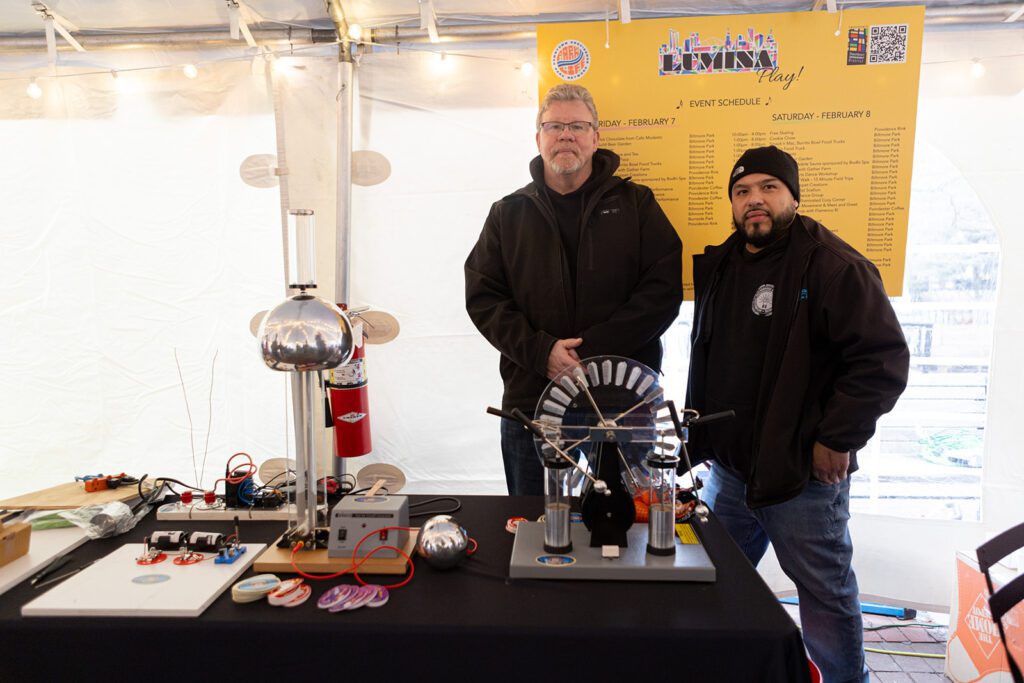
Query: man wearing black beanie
[792, 330]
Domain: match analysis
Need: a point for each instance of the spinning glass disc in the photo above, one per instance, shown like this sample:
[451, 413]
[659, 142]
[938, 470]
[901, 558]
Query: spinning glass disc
[627, 408]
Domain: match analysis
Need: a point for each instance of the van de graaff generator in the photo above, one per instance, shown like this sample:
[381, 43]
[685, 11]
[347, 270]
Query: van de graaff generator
[304, 335]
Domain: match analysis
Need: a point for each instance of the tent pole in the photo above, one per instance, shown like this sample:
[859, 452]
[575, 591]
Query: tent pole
[343, 231]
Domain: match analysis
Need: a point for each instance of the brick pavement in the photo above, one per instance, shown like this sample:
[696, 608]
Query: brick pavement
[900, 638]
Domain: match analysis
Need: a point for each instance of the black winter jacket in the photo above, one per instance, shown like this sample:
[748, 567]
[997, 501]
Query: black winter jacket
[628, 281]
[836, 359]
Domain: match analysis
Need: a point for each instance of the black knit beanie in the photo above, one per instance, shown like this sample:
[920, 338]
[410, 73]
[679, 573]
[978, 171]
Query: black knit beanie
[770, 160]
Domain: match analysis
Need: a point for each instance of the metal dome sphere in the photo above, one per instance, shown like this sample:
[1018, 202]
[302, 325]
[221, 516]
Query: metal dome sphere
[305, 333]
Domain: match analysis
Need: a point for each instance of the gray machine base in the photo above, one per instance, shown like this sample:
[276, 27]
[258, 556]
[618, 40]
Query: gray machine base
[690, 563]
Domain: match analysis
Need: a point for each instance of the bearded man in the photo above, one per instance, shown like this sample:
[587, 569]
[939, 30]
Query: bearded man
[794, 331]
[578, 263]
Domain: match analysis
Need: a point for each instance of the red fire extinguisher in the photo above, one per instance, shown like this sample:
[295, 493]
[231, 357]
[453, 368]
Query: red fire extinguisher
[350, 402]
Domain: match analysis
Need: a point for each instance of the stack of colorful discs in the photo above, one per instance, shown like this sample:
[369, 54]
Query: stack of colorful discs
[336, 595]
[254, 588]
[512, 525]
[380, 596]
[362, 596]
[290, 593]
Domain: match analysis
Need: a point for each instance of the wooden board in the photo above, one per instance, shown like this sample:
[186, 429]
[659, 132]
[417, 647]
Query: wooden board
[69, 495]
[276, 559]
[117, 586]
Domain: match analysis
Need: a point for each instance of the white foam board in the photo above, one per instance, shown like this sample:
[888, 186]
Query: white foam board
[117, 586]
[44, 545]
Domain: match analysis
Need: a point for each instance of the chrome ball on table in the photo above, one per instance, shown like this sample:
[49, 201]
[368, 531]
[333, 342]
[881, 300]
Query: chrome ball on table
[442, 542]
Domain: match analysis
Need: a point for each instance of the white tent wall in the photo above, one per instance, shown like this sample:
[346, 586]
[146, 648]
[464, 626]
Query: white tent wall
[458, 134]
[127, 237]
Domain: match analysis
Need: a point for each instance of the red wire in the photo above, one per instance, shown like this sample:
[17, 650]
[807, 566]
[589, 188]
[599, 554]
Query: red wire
[473, 541]
[354, 569]
[239, 479]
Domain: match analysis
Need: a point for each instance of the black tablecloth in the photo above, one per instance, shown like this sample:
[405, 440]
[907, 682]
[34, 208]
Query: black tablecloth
[471, 623]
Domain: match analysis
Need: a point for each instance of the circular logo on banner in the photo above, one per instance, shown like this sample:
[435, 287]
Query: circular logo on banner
[762, 303]
[570, 59]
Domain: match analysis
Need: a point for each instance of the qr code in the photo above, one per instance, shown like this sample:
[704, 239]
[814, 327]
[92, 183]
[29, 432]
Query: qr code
[888, 44]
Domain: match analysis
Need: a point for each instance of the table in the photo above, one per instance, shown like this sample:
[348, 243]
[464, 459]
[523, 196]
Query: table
[471, 623]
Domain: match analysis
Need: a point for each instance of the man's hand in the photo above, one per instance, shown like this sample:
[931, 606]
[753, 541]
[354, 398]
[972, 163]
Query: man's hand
[563, 356]
[829, 466]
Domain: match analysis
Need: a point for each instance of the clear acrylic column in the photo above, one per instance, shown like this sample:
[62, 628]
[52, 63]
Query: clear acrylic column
[301, 249]
[661, 520]
[557, 498]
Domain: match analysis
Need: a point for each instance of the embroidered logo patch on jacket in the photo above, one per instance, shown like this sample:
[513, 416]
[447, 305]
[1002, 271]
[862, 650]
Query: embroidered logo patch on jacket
[762, 303]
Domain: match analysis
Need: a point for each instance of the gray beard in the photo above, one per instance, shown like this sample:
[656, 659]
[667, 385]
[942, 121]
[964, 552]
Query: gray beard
[565, 170]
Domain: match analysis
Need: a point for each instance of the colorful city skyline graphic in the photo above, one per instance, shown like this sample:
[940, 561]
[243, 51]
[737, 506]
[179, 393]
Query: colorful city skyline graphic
[749, 52]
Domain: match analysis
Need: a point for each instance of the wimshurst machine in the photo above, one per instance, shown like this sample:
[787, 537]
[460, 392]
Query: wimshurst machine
[610, 412]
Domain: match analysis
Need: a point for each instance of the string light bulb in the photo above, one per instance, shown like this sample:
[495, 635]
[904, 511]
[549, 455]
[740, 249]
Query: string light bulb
[442, 64]
[977, 68]
[527, 69]
[355, 31]
[190, 71]
[33, 90]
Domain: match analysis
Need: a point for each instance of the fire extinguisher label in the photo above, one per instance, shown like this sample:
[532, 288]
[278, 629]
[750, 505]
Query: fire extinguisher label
[350, 376]
[352, 417]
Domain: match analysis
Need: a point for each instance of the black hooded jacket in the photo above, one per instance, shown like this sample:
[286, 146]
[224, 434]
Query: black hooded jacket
[835, 361]
[628, 282]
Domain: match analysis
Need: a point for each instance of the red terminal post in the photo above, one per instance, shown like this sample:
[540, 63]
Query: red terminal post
[186, 497]
[209, 497]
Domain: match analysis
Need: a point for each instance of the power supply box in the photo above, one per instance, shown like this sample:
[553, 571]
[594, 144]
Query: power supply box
[356, 517]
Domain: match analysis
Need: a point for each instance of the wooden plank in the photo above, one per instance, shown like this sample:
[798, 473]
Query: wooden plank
[276, 559]
[68, 496]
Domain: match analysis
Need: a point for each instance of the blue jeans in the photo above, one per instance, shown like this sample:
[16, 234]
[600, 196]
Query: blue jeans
[811, 540]
[524, 473]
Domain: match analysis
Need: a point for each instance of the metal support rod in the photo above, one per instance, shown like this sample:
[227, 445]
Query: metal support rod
[188, 38]
[303, 384]
[520, 417]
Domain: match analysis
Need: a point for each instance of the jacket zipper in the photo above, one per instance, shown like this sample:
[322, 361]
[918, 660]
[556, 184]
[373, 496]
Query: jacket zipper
[584, 221]
[553, 225]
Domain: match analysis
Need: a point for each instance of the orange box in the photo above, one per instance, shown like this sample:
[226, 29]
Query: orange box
[974, 652]
[14, 540]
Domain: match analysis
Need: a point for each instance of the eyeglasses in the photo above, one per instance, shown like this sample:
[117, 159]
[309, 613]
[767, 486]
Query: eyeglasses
[576, 127]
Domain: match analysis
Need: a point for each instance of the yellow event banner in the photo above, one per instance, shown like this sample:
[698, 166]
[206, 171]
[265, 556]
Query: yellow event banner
[681, 99]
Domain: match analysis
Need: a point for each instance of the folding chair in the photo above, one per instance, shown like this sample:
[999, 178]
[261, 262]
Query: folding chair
[1001, 601]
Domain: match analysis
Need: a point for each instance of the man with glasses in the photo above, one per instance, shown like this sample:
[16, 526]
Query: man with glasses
[578, 263]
